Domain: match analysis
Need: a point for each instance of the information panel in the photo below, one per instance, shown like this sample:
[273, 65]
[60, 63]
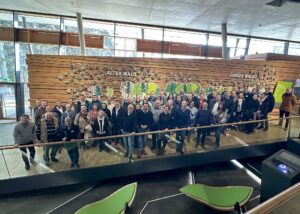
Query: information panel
[280, 89]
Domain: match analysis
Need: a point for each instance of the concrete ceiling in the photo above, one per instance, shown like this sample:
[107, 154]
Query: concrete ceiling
[245, 17]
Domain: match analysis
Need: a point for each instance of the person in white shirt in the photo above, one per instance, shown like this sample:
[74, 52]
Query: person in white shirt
[101, 128]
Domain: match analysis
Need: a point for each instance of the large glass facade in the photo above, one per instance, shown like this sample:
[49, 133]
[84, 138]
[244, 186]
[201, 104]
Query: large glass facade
[7, 101]
[119, 40]
[6, 19]
[258, 46]
[38, 22]
[7, 62]
[294, 49]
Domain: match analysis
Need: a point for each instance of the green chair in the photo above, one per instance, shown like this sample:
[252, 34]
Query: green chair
[116, 203]
[226, 198]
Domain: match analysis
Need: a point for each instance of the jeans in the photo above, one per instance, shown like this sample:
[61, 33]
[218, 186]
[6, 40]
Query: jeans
[155, 127]
[128, 143]
[202, 133]
[74, 155]
[24, 152]
[53, 148]
[286, 114]
[101, 142]
[142, 139]
[116, 130]
[218, 131]
[162, 139]
[180, 136]
[261, 116]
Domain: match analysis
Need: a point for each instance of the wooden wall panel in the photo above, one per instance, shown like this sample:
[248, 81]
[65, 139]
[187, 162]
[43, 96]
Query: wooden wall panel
[178, 48]
[273, 57]
[44, 71]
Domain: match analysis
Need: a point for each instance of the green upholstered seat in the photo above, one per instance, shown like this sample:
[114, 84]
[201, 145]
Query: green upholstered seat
[219, 198]
[112, 204]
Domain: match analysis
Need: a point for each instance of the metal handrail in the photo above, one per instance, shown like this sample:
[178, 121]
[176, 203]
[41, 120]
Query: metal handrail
[143, 133]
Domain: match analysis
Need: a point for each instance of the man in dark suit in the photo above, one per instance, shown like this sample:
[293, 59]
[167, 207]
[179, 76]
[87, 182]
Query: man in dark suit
[69, 132]
[82, 102]
[101, 128]
[117, 117]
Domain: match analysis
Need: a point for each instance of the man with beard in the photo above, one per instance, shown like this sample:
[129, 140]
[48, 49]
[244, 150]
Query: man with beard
[24, 134]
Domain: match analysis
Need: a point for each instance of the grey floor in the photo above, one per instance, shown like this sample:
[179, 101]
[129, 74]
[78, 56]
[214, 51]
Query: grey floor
[156, 193]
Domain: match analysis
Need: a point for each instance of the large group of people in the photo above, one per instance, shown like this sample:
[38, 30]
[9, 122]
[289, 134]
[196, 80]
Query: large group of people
[97, 118]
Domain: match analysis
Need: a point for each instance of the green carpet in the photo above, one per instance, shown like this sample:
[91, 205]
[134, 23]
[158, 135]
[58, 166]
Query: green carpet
[113, 204]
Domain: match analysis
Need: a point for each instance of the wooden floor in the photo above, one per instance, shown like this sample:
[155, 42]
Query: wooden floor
[11, 164]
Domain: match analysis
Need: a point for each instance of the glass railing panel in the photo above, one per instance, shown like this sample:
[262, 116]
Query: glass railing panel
[96, 152]
[6, 133]
[4, 173]
[294, 130]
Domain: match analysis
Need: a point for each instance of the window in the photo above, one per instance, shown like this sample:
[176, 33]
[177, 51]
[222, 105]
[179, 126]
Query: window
[184, 37]
[108, 42]
[68, 50]
[119, 53]
[7, 62]
[294, 49]
[153, 34]
[265, 46]
[30, 48]
[8, 101]
[26, 99]
[237, 46]
[6, 19]
[70, 25]
[98, 28]
[125, 44]
[128, 31]
[215, 40]
[98, 52]
[38, 22]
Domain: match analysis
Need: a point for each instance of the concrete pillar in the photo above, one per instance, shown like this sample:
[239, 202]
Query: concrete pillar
[80, 33]
[286, 48]
[247, 46]
[224, 41]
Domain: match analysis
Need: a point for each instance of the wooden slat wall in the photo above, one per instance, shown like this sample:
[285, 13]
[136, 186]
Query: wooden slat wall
[273, 56]
[44, 71]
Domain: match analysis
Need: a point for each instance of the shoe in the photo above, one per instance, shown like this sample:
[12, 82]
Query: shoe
[202, 146]
[32, 161]
[140, 155]
[217, 146]
[54, 160]
[259, 127]
[77, 166]
[285, 129]
[72, 165]
[27, 166]
[181, 152]
[196, 145]
[47, 163]
[265, 129]
[144, 152]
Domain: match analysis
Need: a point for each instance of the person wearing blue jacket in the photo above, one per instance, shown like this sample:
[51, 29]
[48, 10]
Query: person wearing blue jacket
[182, 118]
[203, 118]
